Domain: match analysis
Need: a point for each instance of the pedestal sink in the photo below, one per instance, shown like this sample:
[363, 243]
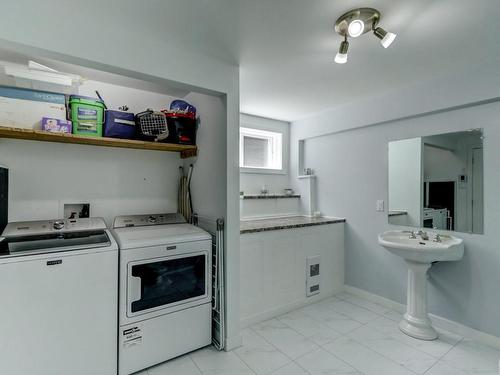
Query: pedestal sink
[420, 250]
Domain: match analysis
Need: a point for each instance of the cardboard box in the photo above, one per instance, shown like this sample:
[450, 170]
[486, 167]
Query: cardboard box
[24, 108]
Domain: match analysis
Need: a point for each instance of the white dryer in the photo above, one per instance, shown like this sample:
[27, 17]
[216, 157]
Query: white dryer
[164, 289]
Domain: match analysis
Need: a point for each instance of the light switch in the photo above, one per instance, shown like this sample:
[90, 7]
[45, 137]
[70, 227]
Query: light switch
[380, 205]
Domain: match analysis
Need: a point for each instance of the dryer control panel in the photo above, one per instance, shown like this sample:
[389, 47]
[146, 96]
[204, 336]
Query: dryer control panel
[144, 220]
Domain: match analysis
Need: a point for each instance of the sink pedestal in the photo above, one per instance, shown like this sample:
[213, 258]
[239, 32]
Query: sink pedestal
[416, 322]
[419, 255]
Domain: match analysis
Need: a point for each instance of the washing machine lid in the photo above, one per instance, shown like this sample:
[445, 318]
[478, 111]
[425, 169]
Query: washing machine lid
[48, 236]
[156, 235]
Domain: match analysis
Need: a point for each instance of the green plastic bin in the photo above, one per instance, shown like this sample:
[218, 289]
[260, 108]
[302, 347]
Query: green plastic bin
[87, 115]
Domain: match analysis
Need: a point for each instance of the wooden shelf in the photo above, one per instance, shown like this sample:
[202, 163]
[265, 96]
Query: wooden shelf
[185, 151]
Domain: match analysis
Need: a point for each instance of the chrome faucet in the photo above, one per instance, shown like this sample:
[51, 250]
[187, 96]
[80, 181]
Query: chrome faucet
[423, 235]
[412, 235]
[437, 238]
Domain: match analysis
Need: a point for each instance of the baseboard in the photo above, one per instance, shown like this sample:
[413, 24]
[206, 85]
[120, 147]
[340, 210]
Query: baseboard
[233, 342]
[269, 314]
[389, 303]
[438, 321]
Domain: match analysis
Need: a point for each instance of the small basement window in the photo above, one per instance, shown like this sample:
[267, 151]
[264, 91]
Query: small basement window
[261, 149]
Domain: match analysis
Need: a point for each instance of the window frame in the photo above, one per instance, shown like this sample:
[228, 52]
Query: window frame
[276, 153]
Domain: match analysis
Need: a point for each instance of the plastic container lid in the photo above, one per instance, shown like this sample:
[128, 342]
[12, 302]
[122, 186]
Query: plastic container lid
[170, 114]
[71, 97]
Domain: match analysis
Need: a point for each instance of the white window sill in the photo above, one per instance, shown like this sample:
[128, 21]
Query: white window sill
[262, 171]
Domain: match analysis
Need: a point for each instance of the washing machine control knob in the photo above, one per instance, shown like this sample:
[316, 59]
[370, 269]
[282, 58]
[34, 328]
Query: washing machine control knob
[59, 224]
[152, 219]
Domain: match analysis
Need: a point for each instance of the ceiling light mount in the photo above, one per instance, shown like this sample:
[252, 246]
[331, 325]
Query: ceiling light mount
[357, 22]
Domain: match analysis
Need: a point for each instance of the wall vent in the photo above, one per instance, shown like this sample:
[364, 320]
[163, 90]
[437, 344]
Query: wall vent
[314, 288]
[312, 275]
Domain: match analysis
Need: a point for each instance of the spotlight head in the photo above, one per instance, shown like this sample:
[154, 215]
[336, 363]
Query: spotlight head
[385, 37]
[341, 56]
[356, 28]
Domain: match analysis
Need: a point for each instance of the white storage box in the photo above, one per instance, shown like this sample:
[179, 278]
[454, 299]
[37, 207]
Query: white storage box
[24, 108]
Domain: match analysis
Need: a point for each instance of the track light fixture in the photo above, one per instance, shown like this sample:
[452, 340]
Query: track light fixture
[357, 22]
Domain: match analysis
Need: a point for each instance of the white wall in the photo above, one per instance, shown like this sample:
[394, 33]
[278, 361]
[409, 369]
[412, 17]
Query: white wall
[209, 185]
[405, 178]
[116, 96]
[120, 44]
[251, 183]
[44, 176]
[273, 269]
[116, 181]
[352, 174]
[262, 208]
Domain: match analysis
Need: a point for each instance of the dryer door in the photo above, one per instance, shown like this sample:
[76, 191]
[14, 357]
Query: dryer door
[167, 283]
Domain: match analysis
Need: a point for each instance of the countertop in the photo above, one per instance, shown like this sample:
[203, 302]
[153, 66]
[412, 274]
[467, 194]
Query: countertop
[269, 196]
[261, 225]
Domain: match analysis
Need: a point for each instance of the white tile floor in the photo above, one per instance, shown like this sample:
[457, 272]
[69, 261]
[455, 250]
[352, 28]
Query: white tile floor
[341, 335]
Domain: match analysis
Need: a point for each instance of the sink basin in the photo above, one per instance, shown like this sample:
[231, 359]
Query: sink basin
[423, 251]
[419, 255]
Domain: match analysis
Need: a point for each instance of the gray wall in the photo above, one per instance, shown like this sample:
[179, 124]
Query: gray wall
[351, 168]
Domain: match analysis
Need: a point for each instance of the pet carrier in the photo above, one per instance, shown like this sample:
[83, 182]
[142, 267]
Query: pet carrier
[152, 126]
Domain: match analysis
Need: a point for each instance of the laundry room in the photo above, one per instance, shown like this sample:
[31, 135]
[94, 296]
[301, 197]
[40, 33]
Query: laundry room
[96, 160]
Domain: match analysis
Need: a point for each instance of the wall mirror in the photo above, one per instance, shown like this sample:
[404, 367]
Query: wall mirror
[436, 181]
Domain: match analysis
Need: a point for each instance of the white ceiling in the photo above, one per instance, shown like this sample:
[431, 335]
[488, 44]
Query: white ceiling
[286, 51]
[285, 48]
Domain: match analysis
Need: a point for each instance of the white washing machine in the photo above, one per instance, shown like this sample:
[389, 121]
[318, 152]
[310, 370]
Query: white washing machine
[164, 289]
[58, 293]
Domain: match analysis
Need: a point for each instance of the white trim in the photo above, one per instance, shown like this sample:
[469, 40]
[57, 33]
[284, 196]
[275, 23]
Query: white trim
[438, 321]
[301, 177]
[275, 149]
[261, 123]
[263, 171]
